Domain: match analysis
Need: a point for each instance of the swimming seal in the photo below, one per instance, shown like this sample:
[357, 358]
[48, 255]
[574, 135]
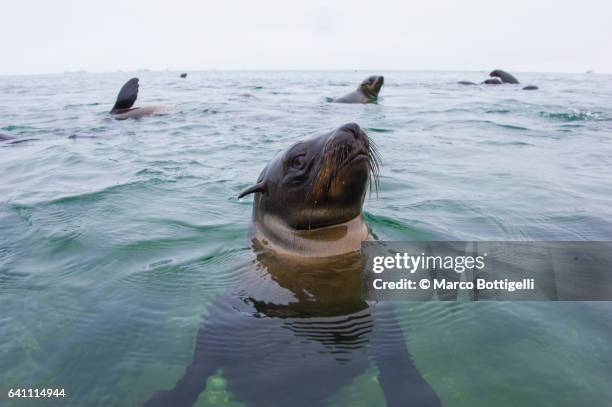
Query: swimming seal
[126, 99]
[492, 81]
[295, 332]
[504, 76]
[499, 77]
[367, 92]
[308, 199]
[183, 75]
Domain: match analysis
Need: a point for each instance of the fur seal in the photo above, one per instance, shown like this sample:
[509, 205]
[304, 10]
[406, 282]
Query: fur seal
[504, 76]
[308, 199]
[492, 81]
[183, 75]
[125, 100]
[295, 331]
[367, 92]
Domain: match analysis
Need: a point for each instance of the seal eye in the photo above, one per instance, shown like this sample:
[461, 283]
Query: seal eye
[297, 162]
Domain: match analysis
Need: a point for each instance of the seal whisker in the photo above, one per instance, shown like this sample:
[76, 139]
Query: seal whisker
[335, 156]
[374, 163]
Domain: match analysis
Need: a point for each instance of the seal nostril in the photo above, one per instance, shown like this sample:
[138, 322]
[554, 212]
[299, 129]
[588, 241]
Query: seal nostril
[352, 127]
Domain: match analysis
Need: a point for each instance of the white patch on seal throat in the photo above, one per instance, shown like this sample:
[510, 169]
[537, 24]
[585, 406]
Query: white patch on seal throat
[274, 234]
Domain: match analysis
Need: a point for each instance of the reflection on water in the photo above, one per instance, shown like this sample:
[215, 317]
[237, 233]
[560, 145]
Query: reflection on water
[297, 333]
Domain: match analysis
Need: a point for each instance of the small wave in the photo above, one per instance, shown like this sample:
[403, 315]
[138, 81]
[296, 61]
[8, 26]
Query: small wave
[499, 111]
[100, 194]
[396, 229]
[77, 105]
[379, 130]
[510, 126]
[17, 142]
[573, 115]
[509, 143]
[12, 127]
[505, 126]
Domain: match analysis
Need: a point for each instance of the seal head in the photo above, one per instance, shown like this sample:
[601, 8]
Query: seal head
[308, 199]
[371, 86]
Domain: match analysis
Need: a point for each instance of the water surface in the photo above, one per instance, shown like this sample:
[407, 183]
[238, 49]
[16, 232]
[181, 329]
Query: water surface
[117, 236]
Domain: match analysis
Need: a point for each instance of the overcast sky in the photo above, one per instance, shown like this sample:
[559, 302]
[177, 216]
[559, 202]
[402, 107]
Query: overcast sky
[47, 36]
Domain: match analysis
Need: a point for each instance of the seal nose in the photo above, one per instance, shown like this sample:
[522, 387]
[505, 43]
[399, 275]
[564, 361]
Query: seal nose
[350, 136]
[352, 128]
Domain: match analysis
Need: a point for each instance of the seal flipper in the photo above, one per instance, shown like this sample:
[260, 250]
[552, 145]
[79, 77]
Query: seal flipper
[186, 392]
[259, 187]
[400, 380]
[126, 97]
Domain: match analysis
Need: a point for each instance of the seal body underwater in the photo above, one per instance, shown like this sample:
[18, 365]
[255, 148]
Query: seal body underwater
[367, 92]
[125, 100]
[296, 333]
[308, 199]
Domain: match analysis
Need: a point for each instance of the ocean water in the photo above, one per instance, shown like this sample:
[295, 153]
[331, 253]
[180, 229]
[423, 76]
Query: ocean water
[117, 237]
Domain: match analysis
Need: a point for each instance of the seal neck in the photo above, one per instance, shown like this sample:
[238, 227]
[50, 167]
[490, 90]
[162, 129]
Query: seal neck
[273, 234]
[368, 94]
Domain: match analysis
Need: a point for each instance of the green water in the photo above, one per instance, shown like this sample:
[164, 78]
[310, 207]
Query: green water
[114, 243]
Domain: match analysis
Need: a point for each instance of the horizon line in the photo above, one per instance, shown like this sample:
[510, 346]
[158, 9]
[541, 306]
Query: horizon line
[85, 71]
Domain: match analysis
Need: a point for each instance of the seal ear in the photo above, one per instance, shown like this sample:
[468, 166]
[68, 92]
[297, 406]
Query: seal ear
[259, 187]
[127, 96]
